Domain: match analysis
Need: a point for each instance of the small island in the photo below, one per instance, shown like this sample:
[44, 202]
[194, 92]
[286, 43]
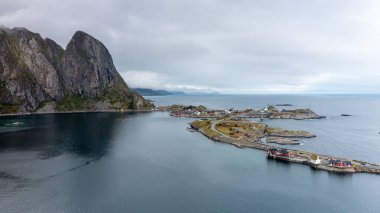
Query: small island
[270, 112]
[284, 105]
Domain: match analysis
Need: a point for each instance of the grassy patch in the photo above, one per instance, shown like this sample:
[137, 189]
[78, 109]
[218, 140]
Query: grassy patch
[117, 94]
[225, 129]
[241, 129]
[210, 132]
[71, 103]
[41, 105]
[234, 129]
[201, 124]
[205, 125]
[8, 108]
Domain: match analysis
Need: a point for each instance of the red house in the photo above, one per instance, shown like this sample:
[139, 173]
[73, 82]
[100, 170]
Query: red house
[339, 163]
[279, 152]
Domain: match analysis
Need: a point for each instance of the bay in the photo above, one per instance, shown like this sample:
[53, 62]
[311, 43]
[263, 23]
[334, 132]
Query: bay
[149, 162]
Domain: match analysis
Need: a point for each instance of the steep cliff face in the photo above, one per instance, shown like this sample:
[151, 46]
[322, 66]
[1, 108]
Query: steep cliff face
[40, 57]
[87, 61]
[88, 71]
[20, 90]
[36, 71]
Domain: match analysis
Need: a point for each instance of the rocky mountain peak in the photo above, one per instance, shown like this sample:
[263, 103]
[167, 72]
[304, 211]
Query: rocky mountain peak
[88, 61]
[35, 71]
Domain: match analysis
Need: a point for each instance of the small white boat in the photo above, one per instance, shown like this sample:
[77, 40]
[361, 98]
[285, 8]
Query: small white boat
[190, 130]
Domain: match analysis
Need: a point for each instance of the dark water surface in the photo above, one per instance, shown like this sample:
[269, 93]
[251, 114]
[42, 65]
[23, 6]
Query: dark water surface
[149, 162]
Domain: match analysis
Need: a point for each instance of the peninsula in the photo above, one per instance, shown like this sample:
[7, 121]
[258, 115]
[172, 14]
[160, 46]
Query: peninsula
[232, 127]
[244, 133]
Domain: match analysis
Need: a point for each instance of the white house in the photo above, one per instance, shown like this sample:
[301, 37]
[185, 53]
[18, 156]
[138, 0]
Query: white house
[315, 159]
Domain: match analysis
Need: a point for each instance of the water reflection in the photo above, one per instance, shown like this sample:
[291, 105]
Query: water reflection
[151, 169]
[84, 134]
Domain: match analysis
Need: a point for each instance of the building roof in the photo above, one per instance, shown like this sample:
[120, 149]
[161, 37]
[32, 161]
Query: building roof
[272, 150]
[314, 156]
[348, 162]
[333, 161]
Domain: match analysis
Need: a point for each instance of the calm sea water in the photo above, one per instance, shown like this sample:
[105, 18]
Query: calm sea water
[356, 136]
[149, 162]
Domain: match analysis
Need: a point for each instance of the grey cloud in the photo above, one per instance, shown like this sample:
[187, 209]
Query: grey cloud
[294, 46]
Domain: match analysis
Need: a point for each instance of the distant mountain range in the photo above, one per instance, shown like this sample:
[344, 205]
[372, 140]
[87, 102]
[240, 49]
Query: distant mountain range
[152, 92]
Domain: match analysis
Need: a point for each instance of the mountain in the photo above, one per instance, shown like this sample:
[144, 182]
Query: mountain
[37, 75]
[151, 92]
[203, 93]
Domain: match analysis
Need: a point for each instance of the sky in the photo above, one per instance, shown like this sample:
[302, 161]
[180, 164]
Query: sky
[240, 46]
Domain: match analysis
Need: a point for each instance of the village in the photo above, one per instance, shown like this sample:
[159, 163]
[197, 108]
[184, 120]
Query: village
[233, 127]
[314, 160]
[270, 112]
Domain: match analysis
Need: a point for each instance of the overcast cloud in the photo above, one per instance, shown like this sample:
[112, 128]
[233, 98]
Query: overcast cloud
[278, 46]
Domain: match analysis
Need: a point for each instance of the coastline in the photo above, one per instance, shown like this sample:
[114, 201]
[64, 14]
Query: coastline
[302, 157]
[73, 112]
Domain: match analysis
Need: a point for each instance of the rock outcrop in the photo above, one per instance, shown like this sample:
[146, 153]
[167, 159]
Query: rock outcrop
[297, 114]
[37, 74]
[278, 132]
[282, 141]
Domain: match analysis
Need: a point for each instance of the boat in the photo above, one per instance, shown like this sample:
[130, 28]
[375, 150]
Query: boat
[190, 129]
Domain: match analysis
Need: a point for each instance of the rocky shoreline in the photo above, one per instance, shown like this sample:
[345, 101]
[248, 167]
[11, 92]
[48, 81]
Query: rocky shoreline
[72, 112]
[207, 128]
[282, 141]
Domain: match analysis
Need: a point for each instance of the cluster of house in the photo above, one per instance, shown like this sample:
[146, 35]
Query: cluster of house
[314, 159]
[197, 113]
[205, 112]
[274, 152]
[200, 112]
[339, 163]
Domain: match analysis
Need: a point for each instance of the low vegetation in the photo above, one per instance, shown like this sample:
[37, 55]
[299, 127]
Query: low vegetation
[205, 126]
[241, 129]
[71, 103]
[118, 94]
[8, 108]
